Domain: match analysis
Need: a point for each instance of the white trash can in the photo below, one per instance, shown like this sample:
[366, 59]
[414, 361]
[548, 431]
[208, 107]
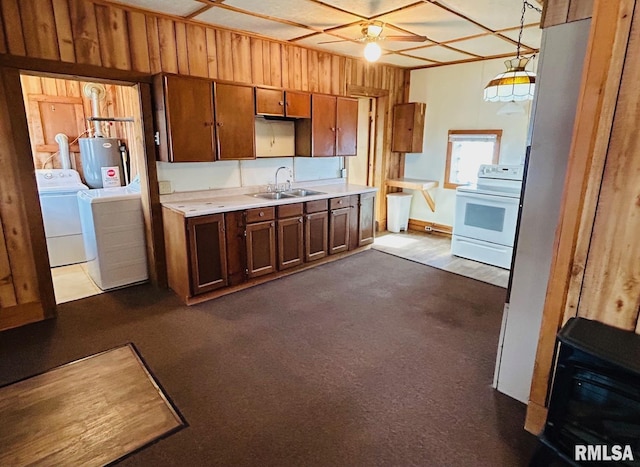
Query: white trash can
[398, 206]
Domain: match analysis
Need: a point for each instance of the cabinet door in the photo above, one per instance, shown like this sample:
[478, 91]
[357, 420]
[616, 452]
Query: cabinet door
[185, 115]
[261, 248]
[339, 230]
[323, 121]
[269, 102]
[316, 227]
[298, 104]
[235, 132]
[367, 228]
[408, 127]
[290, 242]
[346, 126]
[207, 253]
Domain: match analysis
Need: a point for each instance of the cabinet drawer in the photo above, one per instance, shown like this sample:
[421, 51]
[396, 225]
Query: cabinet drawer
[260, 214]
[289, 210]
[316, 206]
[337, 203]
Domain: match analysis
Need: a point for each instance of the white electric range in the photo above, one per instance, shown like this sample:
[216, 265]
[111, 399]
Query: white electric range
[486, 215]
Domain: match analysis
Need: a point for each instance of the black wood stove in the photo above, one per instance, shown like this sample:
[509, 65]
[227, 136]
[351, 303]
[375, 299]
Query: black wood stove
[594, 408]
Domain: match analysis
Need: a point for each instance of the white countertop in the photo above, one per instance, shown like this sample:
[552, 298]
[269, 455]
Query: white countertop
[217, 201]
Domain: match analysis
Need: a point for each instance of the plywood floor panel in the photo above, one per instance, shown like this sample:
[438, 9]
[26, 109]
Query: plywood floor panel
[89, 412]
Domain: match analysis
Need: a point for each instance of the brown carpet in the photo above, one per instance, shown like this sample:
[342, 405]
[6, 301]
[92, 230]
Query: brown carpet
[371, 360]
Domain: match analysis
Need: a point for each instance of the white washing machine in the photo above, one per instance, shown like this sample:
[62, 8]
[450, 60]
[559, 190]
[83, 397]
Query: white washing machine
[58, 190]
[114, 235]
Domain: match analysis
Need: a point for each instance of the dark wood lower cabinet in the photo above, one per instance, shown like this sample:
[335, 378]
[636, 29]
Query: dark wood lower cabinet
[316, 227]
[290, 242]
[261, 248]
[367, 219]
[207, 251]
[339, 230]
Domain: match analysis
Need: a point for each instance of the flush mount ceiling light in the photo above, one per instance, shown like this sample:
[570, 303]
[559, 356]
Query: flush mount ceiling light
[515, 84]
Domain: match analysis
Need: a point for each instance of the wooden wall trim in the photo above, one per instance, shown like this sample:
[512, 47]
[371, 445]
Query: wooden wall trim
[602, 71]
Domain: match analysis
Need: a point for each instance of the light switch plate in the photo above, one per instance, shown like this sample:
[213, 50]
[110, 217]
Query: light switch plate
[164, 187]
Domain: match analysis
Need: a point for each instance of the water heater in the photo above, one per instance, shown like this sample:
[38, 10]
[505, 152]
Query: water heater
[101, 162]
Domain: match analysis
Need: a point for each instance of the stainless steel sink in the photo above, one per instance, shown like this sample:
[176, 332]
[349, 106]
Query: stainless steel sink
[303, 192]
[273, 195]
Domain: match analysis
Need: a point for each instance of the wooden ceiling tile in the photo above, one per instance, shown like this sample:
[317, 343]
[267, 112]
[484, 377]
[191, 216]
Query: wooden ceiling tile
[242, 22]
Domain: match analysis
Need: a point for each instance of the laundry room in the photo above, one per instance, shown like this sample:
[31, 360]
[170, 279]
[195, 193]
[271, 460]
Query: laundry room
[85, 140]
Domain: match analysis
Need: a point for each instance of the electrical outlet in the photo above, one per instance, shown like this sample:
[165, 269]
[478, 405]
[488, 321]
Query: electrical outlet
[165, 187]
[343, 173]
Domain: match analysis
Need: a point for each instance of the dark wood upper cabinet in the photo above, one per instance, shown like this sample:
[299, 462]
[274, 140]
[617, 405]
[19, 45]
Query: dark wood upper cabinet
[408, 127]
[278, 103]
[323, 125]
[332, 129]
[297, 104]
[270, 102]
[346, 126]
[207, 253]
[290, 236]
[367, 220]
[184, 118]
[235, 133]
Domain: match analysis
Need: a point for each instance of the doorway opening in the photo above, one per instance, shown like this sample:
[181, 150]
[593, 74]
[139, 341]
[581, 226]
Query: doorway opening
[65, 118]
[361, 168]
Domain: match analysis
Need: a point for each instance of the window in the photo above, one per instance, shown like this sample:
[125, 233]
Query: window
[466, 151]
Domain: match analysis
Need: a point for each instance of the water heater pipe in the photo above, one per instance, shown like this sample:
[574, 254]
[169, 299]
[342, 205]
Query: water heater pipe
[63, 144]
[95, 92]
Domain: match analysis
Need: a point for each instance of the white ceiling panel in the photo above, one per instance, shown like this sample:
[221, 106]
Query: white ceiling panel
[485, 46]
[404, 61]
[439, 53]
[354, 49]
[495, 14]
[531, 36]
[240, 21]
[299, 11]
[168, 7]
[432, 21]
[369, 8]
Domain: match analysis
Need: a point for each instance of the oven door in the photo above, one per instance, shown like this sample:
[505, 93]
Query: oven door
[486, 217]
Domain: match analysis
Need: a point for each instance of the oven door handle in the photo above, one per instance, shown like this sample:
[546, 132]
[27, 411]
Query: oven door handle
[495, 198]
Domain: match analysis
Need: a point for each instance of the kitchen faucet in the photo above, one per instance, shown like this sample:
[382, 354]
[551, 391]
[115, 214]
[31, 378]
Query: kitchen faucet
[277, 171]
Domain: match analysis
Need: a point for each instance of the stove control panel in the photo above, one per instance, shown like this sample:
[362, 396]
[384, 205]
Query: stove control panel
[502, 172]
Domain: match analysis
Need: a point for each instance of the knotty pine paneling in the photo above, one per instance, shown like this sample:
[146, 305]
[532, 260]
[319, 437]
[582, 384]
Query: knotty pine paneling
[13, 27]
[63, 31]
[565, 11]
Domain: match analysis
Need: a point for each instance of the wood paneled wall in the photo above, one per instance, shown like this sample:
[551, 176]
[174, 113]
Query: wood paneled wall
[565, 11]
[119, 101]
[596, 270]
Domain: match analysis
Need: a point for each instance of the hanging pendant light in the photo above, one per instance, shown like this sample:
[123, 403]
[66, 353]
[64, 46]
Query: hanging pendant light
[515, 84]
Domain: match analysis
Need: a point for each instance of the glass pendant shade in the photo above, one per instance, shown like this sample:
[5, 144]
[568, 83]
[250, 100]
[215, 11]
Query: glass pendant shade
[372, 51]
[516, 84]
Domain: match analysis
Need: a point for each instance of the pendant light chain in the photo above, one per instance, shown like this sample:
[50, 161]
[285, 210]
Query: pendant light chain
[525, 5]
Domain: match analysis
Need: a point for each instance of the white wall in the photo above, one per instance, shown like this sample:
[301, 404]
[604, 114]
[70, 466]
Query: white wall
[275, 144]
[453, 95]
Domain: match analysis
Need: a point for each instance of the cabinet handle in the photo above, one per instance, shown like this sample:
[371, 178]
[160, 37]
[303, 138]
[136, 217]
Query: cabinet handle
[280, 103]
[340, 202]
[339, 129]
[219, 123]
[273, 224]
[300, 220]
[261, 214]
[333, 129]
[208, 123]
